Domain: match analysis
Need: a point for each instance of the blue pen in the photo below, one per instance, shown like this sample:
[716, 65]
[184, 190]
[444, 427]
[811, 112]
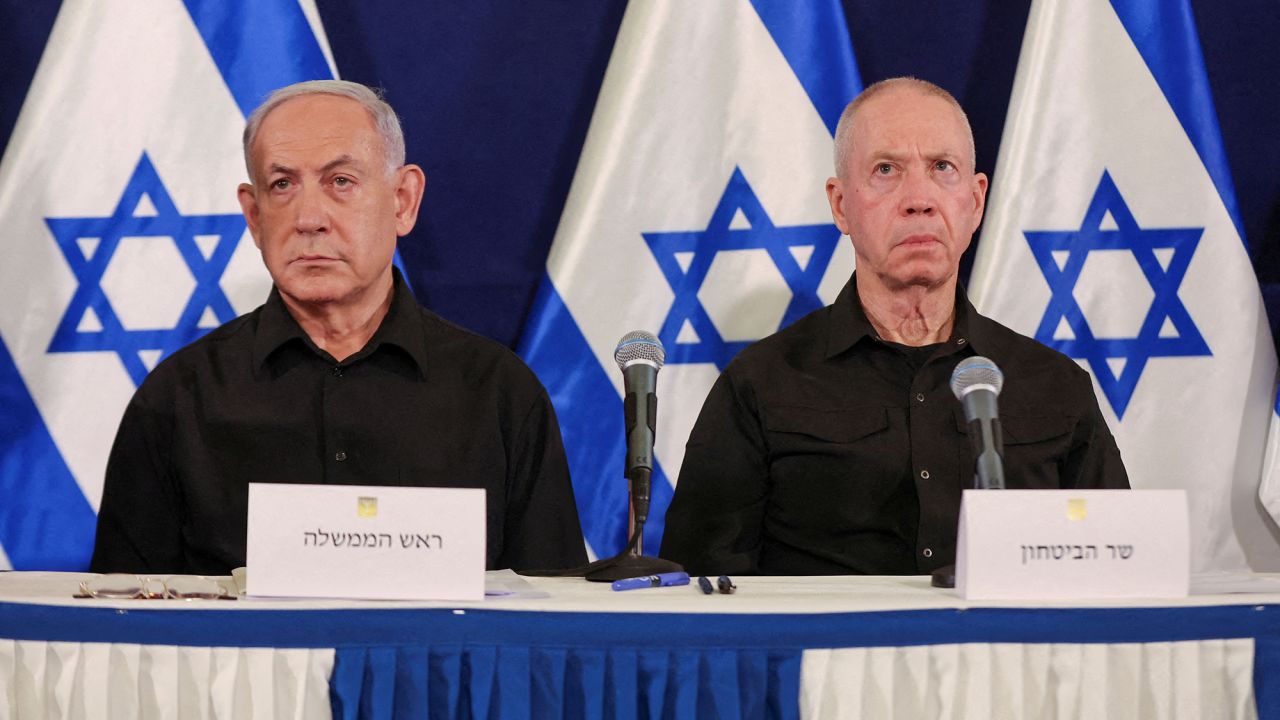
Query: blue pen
[660, 580]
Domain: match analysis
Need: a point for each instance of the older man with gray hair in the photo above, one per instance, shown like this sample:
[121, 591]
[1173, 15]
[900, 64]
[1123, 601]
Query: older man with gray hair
[340, 377]
[835, 446]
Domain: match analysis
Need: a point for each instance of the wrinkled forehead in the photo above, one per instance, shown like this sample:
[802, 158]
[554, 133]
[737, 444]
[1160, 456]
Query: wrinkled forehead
[906, 118]
[316, 123]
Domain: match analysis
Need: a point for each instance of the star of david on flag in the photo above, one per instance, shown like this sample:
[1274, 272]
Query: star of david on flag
[118, 193]
[697, 213]
[1151, 290]
[1163, 254]
[144, 216]
[800, 253]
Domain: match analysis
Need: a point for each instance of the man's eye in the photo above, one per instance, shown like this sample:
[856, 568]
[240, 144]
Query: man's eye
[342, 181]
[281, 184]
[944, 165]
[884, 168]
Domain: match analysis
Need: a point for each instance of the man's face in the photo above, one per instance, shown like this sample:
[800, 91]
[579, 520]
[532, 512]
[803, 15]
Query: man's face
[910, 200]
[324, 208]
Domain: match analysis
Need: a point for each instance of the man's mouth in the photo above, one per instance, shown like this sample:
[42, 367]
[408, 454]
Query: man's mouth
[915, 240]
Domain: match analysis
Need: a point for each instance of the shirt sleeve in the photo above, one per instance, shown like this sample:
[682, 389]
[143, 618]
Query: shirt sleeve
[1093, 461]
[140, 520]
[541, 528]
[714, 522]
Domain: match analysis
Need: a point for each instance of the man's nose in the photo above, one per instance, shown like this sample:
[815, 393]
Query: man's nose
[918, 195]
[311, 211]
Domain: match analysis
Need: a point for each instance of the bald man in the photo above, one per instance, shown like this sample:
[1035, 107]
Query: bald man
[835, 446]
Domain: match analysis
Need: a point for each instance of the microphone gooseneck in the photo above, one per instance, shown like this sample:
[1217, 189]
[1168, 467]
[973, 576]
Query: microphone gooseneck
[977, 382]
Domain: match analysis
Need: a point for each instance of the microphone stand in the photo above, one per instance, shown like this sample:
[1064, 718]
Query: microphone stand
[629, 563]
[639, 354]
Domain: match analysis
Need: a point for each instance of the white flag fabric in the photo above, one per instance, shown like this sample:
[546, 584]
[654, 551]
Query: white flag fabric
[123, 237]
[1269, 489]
[1112, 236]
[697, 213]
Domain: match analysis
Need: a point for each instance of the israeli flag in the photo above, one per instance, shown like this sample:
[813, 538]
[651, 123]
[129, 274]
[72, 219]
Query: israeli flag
[1112, 235]
[123, 237]
[697, 213]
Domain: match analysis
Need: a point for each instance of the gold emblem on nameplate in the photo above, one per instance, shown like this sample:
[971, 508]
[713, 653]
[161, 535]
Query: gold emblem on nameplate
[367, 507]
[1076, 510]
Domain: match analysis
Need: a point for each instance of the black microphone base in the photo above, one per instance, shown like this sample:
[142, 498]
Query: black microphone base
[630, 566]
[944, 577]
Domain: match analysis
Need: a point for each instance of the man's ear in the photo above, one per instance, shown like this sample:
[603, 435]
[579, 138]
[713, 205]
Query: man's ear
[249, 206]
[979, 198]
[835, 196]
[410, 183]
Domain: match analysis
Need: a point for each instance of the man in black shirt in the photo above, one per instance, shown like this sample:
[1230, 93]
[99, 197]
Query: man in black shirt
[836, 446]
[340, 378]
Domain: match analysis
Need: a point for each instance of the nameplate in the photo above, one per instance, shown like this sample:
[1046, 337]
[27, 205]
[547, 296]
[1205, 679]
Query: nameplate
[362, 542]
[1072, 545]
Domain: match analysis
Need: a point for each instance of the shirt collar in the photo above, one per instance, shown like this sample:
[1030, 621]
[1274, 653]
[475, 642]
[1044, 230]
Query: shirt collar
[401, 328]
[847, 322]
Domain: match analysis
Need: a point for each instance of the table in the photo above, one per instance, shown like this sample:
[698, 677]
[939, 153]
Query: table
[780, 647]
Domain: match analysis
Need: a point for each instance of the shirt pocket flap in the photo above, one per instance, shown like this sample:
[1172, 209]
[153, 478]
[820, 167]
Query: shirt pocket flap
[1018, 429]
[839, 426]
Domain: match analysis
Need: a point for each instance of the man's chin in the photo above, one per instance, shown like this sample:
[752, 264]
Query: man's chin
[921, 277]
[314, 291]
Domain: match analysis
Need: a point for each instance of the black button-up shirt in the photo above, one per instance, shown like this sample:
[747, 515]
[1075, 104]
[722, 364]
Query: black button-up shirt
[824, 450]
[424, 403]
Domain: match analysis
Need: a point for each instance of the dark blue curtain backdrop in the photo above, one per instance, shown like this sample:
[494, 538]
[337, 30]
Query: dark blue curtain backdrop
[497, 95]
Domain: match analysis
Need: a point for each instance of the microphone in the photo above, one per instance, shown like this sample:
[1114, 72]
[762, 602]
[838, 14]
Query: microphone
[640, 355]
[976, 382]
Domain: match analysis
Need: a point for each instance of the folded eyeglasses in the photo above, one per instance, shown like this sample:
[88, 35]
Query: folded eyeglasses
[124, 586]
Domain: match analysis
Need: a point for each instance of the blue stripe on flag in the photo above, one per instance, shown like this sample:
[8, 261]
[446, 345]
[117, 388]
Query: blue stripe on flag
[45, 521]
[590, 414]
[259, 45]
[1165, 34]
[814, 38]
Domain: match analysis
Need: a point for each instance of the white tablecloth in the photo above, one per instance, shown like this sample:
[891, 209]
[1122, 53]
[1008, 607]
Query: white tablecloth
[903, 674]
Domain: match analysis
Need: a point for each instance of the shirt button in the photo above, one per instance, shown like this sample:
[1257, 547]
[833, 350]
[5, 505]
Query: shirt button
[919, 397]
[337, 371]
[340, 456]
[928, 552]
[960, 341]
[924, 474]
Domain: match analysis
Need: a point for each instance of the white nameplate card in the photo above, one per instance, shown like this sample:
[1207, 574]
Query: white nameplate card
[363, 542]
[1072, 544]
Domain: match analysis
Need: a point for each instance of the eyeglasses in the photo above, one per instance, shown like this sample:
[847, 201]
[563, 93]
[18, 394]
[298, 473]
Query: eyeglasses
[723, 584]
[123, 586]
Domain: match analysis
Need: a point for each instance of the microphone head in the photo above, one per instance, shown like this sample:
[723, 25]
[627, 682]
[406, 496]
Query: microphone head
[976, 373]
[642, 346]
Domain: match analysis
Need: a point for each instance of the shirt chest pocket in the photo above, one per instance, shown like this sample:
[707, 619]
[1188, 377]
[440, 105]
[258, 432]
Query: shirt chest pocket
[797, 430]
[1035, 448]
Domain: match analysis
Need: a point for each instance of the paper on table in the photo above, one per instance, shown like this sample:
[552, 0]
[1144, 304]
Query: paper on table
[506, 583]
[497, 583]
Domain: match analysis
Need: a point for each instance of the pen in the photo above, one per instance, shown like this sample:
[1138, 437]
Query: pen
[660, 580]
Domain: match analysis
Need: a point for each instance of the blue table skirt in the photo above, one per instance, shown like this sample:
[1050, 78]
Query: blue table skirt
[510, 664]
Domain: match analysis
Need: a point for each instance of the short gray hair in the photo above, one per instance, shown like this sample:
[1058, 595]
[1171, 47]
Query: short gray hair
[384, 118]
[844, 129]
